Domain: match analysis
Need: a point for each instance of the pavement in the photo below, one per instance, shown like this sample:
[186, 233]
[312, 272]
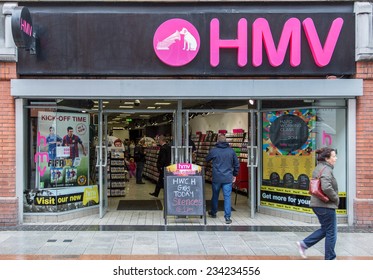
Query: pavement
[178, 241]
[145, 235]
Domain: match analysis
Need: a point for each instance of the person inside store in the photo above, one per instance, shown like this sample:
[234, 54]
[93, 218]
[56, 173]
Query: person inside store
[132, 149]
[225, 167]
[140, 159]
[72, 141]
[132, 166]
[194, 148]
[325, 211]
[126, 148]
[164, 159]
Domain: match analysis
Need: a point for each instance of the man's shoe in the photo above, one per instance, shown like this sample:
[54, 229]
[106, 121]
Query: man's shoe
[211, 215]
[228, 221]
[140, 183]
[153, 194]
[302, 250]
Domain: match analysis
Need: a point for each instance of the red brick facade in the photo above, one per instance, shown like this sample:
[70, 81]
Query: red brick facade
[363, 204]
[8, 197]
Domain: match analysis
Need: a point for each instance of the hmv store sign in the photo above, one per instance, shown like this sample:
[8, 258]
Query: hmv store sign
[190, 43]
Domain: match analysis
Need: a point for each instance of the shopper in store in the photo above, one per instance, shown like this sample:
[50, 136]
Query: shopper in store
[140, 159]
[194, 148]
[132, 167]
[132, 149]
[225, 167]
[164, 159]
[325, 211]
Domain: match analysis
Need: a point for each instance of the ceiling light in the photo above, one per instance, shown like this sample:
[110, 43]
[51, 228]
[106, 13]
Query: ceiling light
[150, 107]
[162, 103]
[129, 103]
[96, 102]
[125, 107]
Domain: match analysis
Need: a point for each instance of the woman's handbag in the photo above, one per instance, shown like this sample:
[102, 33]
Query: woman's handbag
[315, 188]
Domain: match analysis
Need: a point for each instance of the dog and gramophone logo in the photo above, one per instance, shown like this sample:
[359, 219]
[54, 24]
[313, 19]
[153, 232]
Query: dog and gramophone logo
[176, 42]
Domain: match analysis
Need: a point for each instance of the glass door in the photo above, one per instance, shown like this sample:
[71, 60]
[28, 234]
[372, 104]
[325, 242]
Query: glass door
[252, 161]
[101, 163]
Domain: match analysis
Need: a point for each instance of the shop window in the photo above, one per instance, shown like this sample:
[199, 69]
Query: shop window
[290, 138]
[59, 162]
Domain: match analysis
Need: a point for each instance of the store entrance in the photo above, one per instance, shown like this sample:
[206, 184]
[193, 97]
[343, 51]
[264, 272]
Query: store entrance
[182, 126]
[116, 154]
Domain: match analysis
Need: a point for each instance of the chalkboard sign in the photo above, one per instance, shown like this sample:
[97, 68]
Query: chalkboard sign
[184, 191]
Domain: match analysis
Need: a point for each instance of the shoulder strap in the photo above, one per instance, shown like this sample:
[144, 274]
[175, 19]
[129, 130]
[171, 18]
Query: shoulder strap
[321, 172]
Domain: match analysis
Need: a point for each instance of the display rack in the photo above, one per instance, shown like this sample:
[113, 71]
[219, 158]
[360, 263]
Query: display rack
[150, 169]
[207, 141]
[239, 143]
[117, 171]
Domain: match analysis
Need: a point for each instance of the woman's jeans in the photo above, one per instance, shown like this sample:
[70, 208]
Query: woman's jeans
[227, 190]
[328, 220]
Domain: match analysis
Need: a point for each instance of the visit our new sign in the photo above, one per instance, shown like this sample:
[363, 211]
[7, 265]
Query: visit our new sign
[183, 41]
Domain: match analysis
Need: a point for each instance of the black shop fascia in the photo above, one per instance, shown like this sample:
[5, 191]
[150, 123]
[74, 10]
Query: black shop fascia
[185, 40]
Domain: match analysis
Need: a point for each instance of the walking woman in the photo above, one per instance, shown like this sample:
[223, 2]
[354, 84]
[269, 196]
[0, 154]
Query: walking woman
[325, 211]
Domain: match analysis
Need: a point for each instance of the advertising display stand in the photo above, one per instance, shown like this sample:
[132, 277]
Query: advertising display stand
[184, 191]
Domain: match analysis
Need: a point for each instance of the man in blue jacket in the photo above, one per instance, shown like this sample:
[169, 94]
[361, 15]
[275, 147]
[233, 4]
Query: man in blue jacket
[225, 167]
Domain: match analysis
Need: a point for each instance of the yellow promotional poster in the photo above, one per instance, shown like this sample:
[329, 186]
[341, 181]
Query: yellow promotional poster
[289, 144]
[60, 199]
[90, 194]
[288, 158]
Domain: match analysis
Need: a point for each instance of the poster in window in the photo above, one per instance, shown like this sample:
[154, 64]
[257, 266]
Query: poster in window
[62, 154]
[288, 158]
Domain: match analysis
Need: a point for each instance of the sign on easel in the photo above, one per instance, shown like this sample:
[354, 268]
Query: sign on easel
[184, 191]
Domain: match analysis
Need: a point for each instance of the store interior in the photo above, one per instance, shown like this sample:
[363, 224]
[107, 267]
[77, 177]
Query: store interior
[205, 121]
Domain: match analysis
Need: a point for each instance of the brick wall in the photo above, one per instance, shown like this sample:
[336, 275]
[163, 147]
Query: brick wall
[8, 199]
[363, 204]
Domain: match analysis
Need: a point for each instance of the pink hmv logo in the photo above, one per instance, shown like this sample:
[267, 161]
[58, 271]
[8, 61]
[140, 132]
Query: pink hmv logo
[176, 42]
